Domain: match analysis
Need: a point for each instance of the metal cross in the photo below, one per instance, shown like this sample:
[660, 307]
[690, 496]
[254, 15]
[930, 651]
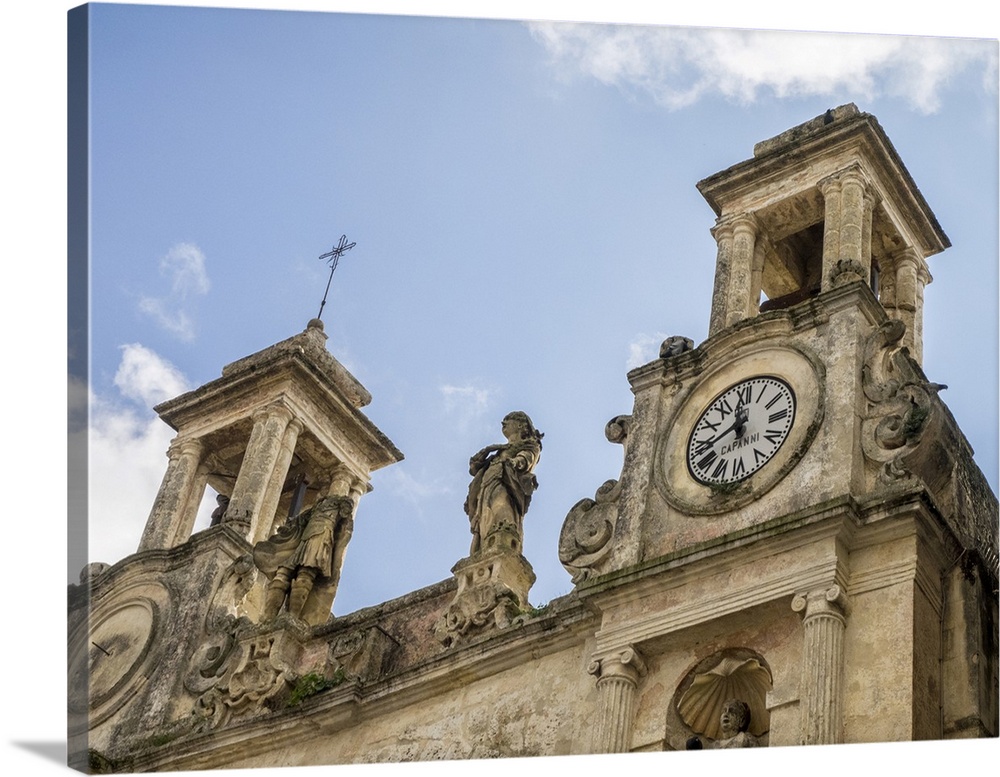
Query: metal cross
[334, 256]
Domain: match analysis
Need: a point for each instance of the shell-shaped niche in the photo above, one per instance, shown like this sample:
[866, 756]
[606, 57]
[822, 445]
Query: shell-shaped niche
[700, 707]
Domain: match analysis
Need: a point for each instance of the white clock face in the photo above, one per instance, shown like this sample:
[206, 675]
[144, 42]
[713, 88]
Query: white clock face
[740, 430]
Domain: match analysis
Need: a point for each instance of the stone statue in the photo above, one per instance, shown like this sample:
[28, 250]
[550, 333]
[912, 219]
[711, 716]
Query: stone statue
[220, 511]
[304, 558]
[503, 481]
[734, 721]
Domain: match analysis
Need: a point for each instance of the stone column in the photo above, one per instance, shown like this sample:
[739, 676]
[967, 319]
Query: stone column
[907, 295]
[741, 269]
[847, 223]
[618, 677]
[870, 200]
[831, 191]
[259, 464]
[822, 696]
[176, 503]
[723, 234]
[264, 527]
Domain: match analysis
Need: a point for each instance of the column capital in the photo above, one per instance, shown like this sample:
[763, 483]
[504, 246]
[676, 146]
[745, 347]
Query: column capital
[626, 663]
[850, 174]
[735, 222]
[181, 446]
[822, 601]
[277, 409]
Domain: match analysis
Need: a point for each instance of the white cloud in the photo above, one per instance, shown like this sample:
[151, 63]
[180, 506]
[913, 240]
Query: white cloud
[127, 451]
[184, 266]
[643, 349]
[678, 66]
[414, 490]
[466, 404]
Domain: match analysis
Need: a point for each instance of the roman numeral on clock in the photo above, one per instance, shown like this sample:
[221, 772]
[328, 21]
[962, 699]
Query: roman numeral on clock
[775, 417]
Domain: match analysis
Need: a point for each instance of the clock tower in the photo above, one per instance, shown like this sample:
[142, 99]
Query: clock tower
[799, 520]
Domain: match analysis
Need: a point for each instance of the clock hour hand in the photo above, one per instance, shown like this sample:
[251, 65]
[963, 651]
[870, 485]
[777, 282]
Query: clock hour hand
[739, 426]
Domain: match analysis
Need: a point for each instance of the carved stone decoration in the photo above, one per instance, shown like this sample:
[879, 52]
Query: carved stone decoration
[901, 404]
[363, 654]
[492, 593]
[212, 658]
[846, 271]
[701, 706]
[618, 676]
[258, 668]
[617, 429]
[503, 481]
[675, 346]
[824, 620]
[585, 539]
[303, 561]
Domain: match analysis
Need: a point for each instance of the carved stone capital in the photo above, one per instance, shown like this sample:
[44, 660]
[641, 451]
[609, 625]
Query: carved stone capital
[830, 601]
[626, 664]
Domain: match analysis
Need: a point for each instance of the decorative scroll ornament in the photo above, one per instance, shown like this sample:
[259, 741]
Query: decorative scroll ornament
[585, 539]
[363, 654]
[492, 595]
[245, 673]
[901, 404]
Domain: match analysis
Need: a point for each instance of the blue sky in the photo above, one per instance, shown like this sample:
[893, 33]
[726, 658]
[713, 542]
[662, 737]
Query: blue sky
[528, 229]
[951, 152]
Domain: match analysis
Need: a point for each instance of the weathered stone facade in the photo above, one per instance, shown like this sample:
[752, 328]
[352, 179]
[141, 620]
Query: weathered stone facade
[830, 562]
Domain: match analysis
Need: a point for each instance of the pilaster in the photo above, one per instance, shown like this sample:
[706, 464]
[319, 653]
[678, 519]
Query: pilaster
[824, 619]
[618, 676]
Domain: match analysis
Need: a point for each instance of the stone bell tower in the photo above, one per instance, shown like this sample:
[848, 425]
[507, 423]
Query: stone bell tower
[788, 226]
[280, 429]
[799, 523]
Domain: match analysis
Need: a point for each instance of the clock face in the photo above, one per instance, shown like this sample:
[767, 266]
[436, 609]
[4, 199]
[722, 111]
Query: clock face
[741, 430]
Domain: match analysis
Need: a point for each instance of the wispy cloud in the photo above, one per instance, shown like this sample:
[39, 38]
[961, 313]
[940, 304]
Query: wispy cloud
[184, 267]
[127, 446]
[466, 404]
[679, 66]
[643, 349]
[414, 490]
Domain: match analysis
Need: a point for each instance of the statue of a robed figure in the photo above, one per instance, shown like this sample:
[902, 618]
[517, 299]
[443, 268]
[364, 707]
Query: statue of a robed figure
[503, 481]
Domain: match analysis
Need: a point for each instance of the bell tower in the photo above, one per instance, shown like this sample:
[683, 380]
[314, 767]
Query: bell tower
[788, 224]
[279, 430]
[799, 524]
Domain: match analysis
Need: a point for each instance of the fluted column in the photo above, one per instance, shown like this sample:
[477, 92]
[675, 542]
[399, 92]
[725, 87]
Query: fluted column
[822, 695]
[176, 502]
[259, 465]
[263, 527]
[617, 679]
[723, 234]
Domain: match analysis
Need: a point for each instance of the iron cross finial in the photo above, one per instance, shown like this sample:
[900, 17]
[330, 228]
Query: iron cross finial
[334, 256]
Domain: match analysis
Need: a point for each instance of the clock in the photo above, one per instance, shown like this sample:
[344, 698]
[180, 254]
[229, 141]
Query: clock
[732, 430]
[741, 430]
[113, 651]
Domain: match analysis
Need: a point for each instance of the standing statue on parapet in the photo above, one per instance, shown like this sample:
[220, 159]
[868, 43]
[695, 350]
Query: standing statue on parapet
[503, 481]
[304, 558]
